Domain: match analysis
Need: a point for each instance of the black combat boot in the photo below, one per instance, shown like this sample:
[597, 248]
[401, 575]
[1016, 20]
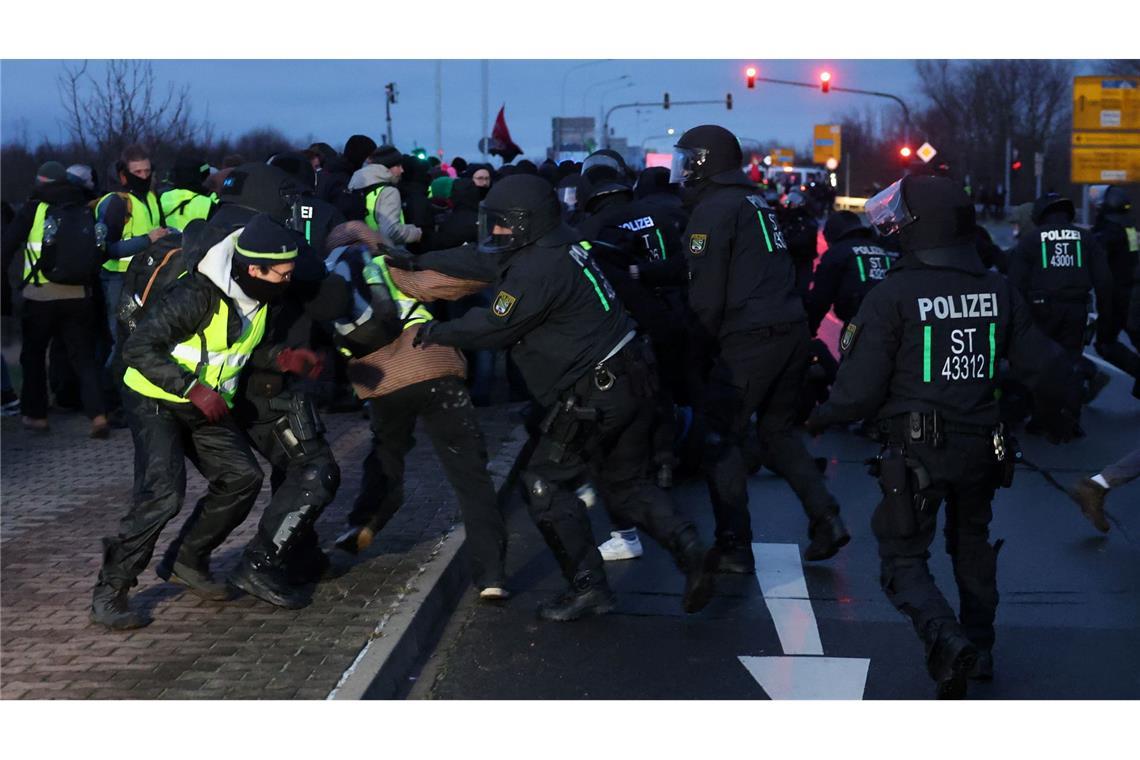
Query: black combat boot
[109, 607]
[260, 577]
[198, 582]
[699, 564]
[950, 661]
[589, 594]
[983, 669]
[828, 536]
[734, 557]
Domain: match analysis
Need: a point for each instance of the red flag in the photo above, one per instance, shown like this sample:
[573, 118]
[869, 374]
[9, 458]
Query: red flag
[501, 143]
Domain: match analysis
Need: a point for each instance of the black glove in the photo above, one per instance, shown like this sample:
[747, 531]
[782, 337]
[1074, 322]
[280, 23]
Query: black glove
[423, 335]
[405, 261]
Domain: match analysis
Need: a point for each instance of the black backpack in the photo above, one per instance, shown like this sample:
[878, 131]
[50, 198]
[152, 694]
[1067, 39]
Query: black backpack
[73, 248]
[351, 204]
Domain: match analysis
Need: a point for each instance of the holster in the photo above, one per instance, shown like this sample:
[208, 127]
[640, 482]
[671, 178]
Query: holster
[563, 424]
[299, 423]
[898, 498]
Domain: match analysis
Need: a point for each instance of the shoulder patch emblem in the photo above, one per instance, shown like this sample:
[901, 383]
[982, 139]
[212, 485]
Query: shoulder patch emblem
[697, 244]
[848, 338]
[503, 304]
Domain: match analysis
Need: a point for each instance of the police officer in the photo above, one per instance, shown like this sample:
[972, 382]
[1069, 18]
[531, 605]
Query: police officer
[1054, 269]
[186, 201]
[801, 233]
[921, 357]
[852, 264]
[577, 349]
[750, 318]
[1115, 228]
[312, 217]
[183, 360]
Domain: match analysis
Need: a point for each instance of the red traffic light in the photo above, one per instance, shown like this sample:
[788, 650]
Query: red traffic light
[1015, 165]
[905, 152]
[825, 81]
[750, 77]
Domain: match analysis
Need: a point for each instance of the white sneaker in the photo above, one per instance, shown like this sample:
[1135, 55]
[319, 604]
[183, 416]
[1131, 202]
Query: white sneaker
[494, 593]
[621, 546]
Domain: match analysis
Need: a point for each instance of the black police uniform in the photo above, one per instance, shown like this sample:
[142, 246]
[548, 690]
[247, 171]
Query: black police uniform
[742, 291]
[921, 356]
[1054, 269]
[1116, 231]
[801, 234]
[852, 264]
[576, 347]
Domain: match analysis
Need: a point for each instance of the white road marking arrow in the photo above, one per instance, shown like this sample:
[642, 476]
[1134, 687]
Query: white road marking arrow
[781, 578]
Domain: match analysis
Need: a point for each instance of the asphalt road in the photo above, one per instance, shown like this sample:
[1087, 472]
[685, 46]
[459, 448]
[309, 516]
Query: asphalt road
[1068, 626]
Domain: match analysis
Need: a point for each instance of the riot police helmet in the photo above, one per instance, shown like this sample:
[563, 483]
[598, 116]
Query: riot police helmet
[705, 152]
[604, 164]
[296, 164]
[1051, 203]
[1116, 206]
[521, 210]
[793, 200]
[925, 213]
[841, 224]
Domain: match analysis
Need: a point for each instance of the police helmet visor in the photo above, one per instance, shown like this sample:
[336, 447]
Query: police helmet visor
[568, 197]
[602, 160]
[518, 222]
[887, 212]
[688, 164]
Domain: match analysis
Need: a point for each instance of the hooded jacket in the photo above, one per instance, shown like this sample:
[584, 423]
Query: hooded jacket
[184, 310]
[388, 205]
[462, 224]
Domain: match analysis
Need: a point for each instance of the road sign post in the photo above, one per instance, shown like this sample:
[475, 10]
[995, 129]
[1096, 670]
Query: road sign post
[826, 143]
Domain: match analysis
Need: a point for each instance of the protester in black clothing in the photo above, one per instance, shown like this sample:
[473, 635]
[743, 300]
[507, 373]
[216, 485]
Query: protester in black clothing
[1115, 228]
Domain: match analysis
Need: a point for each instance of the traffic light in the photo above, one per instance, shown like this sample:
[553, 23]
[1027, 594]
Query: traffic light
[420, 153]
[905, 151]
[825, 81]
[665, 102]
[750, 77]
[728, 101]
[1015, 167]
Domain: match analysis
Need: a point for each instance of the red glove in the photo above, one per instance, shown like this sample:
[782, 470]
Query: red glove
[300, 361]
[208, 401]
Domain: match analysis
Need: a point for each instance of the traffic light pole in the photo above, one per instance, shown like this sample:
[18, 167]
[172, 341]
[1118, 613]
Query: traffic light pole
[873, 93]
[606, 120]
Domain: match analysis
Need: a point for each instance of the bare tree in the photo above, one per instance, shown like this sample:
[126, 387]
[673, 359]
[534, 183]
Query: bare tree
[126, 105]
[1127, 67]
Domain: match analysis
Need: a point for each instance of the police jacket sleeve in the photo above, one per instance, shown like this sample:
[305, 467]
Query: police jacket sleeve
[181, 312]
[16, 232]
[708, 247]
[521, 304]
[465, 262]
[869, 345]
[1019, 263]
[388, 208]
[825, 287]
[672, 272]
[1102, 286]
[1036, 360]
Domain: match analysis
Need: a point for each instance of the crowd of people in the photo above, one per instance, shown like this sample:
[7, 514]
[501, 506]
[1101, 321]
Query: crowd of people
[661, 324]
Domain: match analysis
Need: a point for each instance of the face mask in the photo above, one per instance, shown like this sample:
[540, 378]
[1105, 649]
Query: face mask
[257, 288]
[137, 185]
[483, 192]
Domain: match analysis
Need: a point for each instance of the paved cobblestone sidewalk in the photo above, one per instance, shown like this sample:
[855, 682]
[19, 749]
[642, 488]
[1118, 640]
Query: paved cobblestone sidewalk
[61, 493]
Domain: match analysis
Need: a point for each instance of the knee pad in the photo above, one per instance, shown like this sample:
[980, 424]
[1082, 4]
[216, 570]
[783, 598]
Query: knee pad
[539, 494]
[319, 482]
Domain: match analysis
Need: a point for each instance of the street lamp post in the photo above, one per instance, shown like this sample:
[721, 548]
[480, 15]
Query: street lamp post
[592, 85]
[567, 76]
[669, 133]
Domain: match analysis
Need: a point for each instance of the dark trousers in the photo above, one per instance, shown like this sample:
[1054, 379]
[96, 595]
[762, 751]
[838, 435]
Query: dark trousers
[964, 473]
[71, 322]
[445, 407]
[164, 436]
[613, 451]
[761, 376]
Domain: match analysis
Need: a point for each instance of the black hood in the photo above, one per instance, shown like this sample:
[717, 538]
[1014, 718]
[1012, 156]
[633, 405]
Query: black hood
[465, 194]
[60, 192]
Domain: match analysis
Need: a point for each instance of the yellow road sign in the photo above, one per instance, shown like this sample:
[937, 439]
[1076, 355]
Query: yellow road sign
[1095, 165]
[1107, 139]
[826, 143]
[1106, 102]
[783, 157]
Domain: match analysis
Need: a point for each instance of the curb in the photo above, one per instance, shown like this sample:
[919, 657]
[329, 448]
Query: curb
[416, 619]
